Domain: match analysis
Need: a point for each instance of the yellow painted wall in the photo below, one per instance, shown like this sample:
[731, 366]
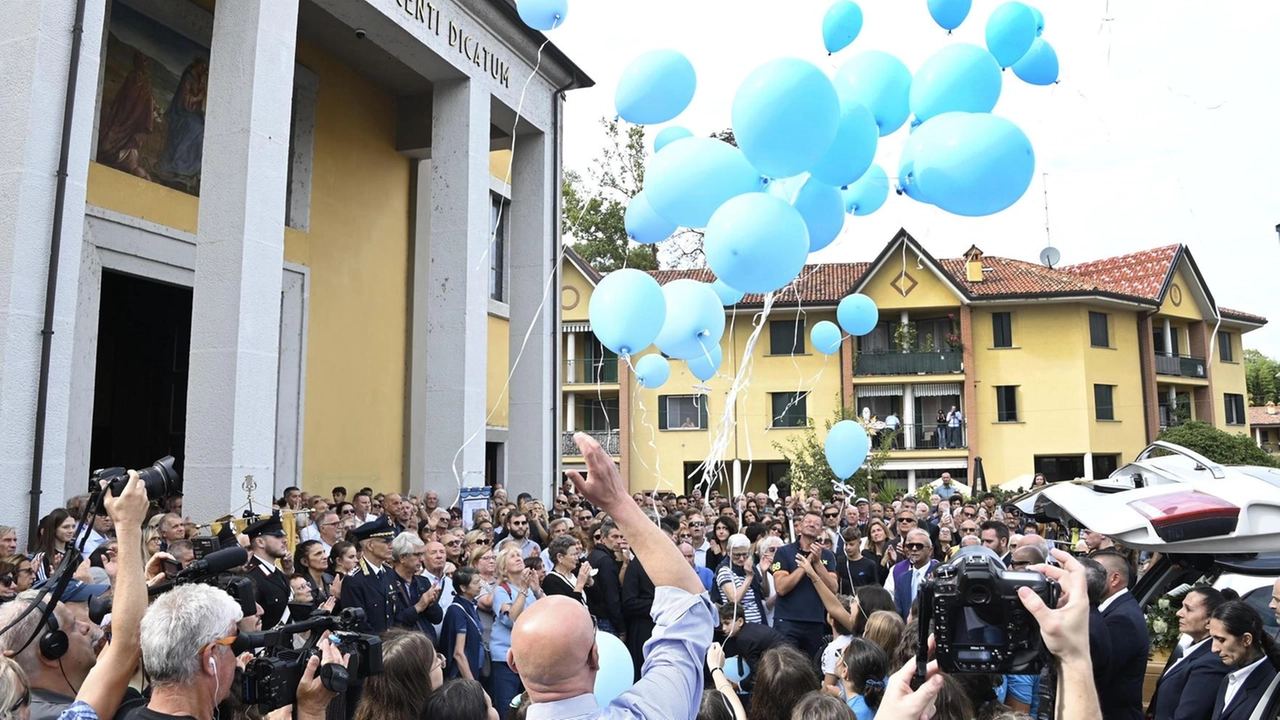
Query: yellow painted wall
[1120, 367]
[357, 251]
[499, 366]
[752, 439]
[930, 291]
[575, 293]
[1228, 378]
[1189, 309]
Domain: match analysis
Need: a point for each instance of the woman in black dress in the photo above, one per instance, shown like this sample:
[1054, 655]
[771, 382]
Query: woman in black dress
[570, 574]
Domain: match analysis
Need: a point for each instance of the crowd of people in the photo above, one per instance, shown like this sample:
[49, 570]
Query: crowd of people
[747, 608]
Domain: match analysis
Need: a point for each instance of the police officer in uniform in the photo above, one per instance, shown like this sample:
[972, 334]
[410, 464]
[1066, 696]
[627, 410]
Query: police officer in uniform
[371, 587]
[267, 543]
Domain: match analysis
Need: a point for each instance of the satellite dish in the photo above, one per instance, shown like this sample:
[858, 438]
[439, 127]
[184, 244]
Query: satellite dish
[1050, 257]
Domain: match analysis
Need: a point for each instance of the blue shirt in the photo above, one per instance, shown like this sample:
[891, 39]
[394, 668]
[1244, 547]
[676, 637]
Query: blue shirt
[463, 617]
[802, 604]
[500, 640]
[1024, 689]
[671, 679]
[861, 709]
[79, 710]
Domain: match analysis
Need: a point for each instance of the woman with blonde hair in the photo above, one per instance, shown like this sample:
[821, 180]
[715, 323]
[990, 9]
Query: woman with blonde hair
[517, 589]
[15, 691]
[885, 628]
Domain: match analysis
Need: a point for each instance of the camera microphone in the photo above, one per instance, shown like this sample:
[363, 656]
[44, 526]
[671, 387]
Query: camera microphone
[224, 560]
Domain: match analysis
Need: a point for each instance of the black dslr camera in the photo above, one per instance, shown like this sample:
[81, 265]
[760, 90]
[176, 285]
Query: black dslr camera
[979, 624]
[271, 680]
[161, 480]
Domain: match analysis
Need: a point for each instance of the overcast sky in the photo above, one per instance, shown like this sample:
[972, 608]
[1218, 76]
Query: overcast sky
[1163, 128]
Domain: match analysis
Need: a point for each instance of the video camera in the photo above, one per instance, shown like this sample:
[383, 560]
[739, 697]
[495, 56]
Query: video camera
[214, 570]
[979, 624]
[271, 679]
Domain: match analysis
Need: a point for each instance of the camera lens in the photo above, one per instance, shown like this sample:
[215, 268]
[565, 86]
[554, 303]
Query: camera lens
[979, 595]
[161, 480]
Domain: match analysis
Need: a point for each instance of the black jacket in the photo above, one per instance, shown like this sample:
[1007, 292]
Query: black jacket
[750, 644]
[1243, 704]
[1121, 694]
[604, 597]
[1188, 690]
[375, 592]
[407, 595]
[1099, 648]
[271, 590]
[637, 608]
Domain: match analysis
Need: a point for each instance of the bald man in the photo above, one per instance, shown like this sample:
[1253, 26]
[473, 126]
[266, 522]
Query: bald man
[1121, 695]
[553, 646]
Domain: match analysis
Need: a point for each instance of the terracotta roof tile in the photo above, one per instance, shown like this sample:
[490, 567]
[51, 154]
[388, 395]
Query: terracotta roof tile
[1241, 315]
[820, 283]
[1004, 276]
[1141, 274]
[1258, 416]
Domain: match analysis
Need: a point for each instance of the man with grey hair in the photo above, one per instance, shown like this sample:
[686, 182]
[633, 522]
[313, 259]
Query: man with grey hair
[969, 541]
[417, 601]
[906, 576]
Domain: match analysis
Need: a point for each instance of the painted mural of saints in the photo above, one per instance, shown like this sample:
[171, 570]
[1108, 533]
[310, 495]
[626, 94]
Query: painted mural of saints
[180, 160]
[130, 117]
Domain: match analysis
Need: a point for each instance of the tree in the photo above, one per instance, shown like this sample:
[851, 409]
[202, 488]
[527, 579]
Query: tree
[807, 456]
[1260, 377]
[1217, 445]
[595, 206]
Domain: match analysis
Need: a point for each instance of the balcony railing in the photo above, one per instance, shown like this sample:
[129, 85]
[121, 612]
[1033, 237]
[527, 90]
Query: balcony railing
[591, 371]
[1173, 416]
[1181, 366]
[928, 436]
[611, 442]
[891, 363]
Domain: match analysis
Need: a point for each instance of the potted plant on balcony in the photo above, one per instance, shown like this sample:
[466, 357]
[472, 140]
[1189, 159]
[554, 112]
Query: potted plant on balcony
[904, 336]
[952, 338]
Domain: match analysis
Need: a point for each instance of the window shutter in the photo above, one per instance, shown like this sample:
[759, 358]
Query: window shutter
[702, 411]
[662, 412]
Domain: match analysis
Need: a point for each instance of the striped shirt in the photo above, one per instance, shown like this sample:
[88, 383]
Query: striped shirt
[750, 608]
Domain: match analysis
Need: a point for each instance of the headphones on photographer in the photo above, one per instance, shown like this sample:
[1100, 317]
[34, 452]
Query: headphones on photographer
[54, 642]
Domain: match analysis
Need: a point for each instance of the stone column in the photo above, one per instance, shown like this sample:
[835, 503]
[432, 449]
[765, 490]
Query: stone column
[36, 36]
[908, 439]
[235, 317]
[1169, 349]
[458, 290]
[534, 300]
[1147, 368]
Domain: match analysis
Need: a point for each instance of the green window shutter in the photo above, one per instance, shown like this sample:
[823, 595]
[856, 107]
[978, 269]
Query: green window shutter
[662, 412]
[702, 411]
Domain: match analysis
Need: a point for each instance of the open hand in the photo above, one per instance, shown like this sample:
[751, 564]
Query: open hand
[1059, 626]
[130, 509]
[603, 486]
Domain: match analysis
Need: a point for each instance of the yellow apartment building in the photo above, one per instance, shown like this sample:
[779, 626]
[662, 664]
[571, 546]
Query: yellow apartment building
[1065, 371]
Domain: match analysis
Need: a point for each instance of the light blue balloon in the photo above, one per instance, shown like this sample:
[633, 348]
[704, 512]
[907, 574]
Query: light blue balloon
[820, 205]
[731, 669]
[728, 295]
[655, 87]
[857, 314]
[691, 178]
[756, 243]
[847, 446]
[853, 149]
[705, 366]
[867, 194]
[1039, 21]
[617, 670]
[669, 135]
[643, 225]
[879, 82]
[907, 184]
[627, 311]
[1010, 31]
[652, 371]
[543, 15]
[694, 322]
[949, 13]
[975, 164]
[1039, 66]
[841, 25]
[826, 337]
[959, 77]
[785, 117]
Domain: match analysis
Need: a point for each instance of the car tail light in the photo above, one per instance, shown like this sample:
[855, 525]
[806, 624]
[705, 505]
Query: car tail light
[1188, 515]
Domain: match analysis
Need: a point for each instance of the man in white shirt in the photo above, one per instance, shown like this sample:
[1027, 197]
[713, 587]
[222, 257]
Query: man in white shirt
[905, 577]
[698, 537]
[436, 567]
[1189, 684]
[98, 533]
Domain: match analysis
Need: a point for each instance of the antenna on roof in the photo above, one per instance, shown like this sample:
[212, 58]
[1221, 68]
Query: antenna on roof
[1050, 255]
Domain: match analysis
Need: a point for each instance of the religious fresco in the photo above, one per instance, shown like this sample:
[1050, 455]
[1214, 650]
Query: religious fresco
[153, 102]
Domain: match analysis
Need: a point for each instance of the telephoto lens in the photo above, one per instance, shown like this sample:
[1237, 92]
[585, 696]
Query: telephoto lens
[161, 480]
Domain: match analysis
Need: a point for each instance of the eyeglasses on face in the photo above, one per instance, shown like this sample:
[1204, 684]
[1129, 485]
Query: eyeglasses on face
[906, 520]
[520, 523]
[1018, 564]
[349, 511]
[915, 546]
[830, 515]
[698, 523]
[968, 513]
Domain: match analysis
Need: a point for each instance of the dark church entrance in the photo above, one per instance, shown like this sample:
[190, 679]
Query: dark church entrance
[140, 388]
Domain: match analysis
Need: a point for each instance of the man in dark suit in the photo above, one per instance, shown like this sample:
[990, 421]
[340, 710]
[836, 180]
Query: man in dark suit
[604, 595]
[271, 588]
[1121, 695]
[372, 586]
[1189, 684]
[1099, 638]
[417, 602]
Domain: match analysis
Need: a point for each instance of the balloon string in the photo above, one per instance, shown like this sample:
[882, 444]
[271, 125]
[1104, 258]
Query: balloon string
[653, 434]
